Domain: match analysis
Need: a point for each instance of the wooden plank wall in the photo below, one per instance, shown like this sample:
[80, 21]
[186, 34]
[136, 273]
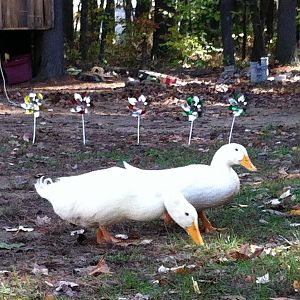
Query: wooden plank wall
[26, 14]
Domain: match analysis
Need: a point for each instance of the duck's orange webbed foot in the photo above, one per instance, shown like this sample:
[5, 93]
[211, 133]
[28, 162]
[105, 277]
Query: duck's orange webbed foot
[208, 228]
[167, 219]
[104, 236]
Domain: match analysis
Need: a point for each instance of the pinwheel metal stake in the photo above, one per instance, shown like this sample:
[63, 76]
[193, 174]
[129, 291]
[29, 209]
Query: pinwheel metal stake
[32, 105]
[138, 108]
[193, 108]
[81, 105]
[238, 107]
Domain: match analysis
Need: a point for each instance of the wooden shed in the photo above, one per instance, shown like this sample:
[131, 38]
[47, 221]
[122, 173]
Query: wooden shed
[22, 23]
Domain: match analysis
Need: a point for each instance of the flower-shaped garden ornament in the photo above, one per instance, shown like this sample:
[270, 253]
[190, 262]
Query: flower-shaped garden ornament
[138, 108]
[32, 105]
[237, 104]
[192, 108]
[81, 105]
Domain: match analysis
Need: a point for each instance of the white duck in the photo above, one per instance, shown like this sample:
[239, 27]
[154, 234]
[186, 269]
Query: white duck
[204, 186]
[113, 195]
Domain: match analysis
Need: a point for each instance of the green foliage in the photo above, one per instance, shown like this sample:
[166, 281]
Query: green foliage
[195, 43]
[191, 50]
[127, 49]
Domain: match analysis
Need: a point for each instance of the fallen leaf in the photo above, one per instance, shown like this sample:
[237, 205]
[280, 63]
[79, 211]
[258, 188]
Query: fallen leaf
[17, 229]
[101, 268]
[249, 279]
[5, 272]
[247, 252]
[196, 286]
[233, 297]
[126, 243]
[62, 284]
[236, 255]
[140, 296]
[68, 288]
[294, 224]
[41, 221]
[297, 206]
[77, 232]
[121, 236]
[275, 212]
[296, 286]
[294, 212]
[37, 270]
[263, 279]
[180, 269]
[257, 252]
[49, 283]
[292, 176]
[26, 137]
[285, 194]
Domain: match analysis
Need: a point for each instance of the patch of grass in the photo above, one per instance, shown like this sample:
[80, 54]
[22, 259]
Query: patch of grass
[216, 272]
[115, 155]
[266, 133]
[176, 157]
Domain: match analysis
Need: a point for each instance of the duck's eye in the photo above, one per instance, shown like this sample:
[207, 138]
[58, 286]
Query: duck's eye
[236, 149]
[187, 214]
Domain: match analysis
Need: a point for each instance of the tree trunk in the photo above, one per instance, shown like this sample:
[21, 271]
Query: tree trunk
[286, 40]
[83, 41]
[93, 21]
[142, 8]
[226, 28]
[52, 47]
[108, 25]
[159, 50]
[68, 21]
[128, 11]
[258, 47]
[245, 23]
[270, 20]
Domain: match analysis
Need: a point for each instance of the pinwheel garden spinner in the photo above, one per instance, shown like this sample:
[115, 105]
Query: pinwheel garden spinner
[193, 108]
[81, 105]
[32, 105]
[238, 107]
[138, 108]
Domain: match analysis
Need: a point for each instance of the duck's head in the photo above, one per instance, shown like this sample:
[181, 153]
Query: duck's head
[233, 154]
[184, 214]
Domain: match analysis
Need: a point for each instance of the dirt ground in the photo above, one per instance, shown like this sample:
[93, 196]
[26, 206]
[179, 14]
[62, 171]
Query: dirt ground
[111, 129]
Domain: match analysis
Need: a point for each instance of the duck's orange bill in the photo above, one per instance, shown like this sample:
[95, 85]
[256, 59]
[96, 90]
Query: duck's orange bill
[247, 163]
[194, 233]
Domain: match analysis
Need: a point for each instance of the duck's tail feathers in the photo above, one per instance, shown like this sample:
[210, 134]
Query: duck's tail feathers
[41, 186]
[127, 166]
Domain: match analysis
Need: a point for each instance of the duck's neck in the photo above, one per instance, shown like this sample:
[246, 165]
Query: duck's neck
[220, 161]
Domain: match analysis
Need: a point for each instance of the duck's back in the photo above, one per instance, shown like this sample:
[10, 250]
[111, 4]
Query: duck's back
[203, 185]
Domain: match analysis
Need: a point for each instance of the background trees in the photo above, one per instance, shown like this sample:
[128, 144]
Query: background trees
[286, 39]
[182, 33]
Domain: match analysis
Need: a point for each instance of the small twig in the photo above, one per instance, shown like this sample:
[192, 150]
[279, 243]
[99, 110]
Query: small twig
[286, 240]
